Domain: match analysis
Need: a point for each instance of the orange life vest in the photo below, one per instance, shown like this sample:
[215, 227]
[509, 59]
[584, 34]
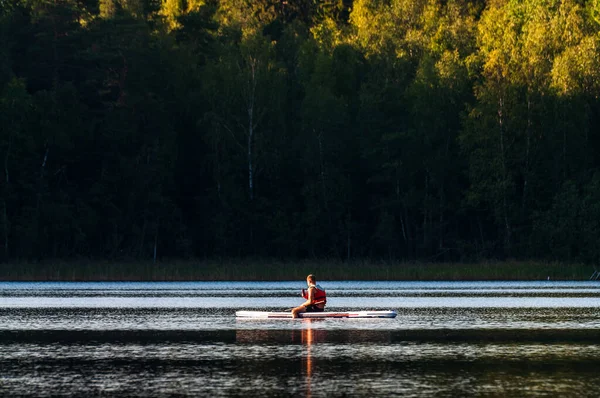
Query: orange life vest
[319, 296]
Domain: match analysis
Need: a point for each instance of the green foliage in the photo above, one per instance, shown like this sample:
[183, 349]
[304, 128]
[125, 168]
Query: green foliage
[436, 130]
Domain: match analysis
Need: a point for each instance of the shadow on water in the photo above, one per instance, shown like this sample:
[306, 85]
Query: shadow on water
[361, 362]
[309, 360]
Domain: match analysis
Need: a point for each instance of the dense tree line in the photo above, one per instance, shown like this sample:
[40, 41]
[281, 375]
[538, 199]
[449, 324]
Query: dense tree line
[398, 129]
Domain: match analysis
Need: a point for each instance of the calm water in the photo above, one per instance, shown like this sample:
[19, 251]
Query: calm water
[158, 339]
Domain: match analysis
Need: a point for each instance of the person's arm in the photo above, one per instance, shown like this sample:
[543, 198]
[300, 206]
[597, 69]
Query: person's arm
[311, 297]
[302, 307]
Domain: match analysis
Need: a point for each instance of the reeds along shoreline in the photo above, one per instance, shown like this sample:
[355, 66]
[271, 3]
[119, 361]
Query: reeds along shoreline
[278, 270]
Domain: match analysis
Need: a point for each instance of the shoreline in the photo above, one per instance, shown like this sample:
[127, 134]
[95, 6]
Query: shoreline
[285, 270]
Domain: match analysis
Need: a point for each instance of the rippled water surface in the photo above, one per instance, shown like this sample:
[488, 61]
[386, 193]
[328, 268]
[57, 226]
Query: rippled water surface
[158, 339]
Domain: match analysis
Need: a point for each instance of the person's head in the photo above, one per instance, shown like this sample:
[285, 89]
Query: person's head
[311, 280]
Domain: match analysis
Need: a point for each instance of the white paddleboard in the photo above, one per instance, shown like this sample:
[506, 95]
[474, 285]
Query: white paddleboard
[316, 315]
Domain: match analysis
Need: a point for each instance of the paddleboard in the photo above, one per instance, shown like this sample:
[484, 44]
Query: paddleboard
[316, 315]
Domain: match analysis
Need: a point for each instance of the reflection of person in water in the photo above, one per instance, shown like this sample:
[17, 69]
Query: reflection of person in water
[315, 298]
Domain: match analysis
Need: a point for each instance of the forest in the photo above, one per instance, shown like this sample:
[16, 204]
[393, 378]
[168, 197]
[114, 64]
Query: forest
[409, 130]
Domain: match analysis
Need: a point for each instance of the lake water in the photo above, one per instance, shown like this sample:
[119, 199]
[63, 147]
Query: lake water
[158, 339]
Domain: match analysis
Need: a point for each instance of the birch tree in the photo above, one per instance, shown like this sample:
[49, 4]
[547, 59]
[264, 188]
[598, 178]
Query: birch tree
[15, 107]
[490, 136]
[246, 91]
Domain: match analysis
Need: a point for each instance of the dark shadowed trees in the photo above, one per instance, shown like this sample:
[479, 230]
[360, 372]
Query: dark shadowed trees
[397, 129]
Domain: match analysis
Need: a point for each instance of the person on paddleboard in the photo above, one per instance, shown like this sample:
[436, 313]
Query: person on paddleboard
[315, 298]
